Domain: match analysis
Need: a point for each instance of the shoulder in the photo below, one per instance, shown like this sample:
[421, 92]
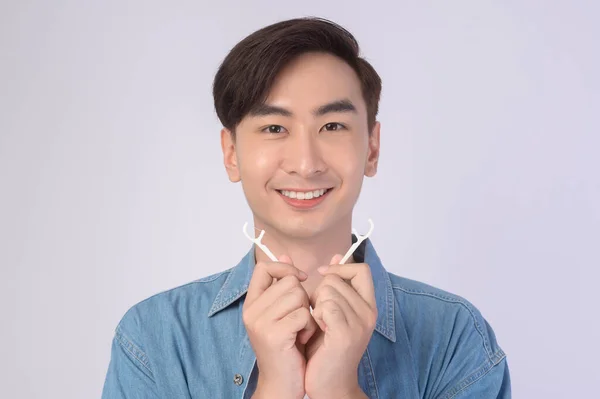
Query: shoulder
[439, 316]
[177, 303]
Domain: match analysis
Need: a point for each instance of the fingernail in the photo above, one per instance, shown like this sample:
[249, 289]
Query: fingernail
[302, 274]
[322, 269]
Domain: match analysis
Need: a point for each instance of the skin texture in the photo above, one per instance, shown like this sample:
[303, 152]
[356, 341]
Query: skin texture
[305, 150]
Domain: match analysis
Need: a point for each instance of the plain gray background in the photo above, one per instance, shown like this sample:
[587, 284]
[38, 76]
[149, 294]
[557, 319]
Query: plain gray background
[112, 187]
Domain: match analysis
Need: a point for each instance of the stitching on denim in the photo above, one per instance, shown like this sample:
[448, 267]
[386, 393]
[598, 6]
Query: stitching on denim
[390, 306]
[132, 349]
[218, 301]
[235, 295]
[388, 330]
[202, 280]
[372, 372]
[208, 279]
[247, 379]
[486, 344]
[473, 377]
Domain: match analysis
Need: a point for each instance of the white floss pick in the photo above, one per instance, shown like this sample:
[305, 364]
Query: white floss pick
[359, 240]
[263, 247]
[258, 242]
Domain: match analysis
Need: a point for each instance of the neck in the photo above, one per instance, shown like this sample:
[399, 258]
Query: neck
[307, 253]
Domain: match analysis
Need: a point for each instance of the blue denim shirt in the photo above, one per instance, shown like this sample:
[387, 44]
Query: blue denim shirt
[190, 342]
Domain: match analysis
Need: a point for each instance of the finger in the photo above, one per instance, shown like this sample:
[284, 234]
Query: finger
[273, 295]
[359, 275]
[336, 259]
[356, 302]
[284, 259]
[286, 303]
[318, 318]
[327, 292]
[298, 322]
[331, 316]
[308, 330]
[263, 275]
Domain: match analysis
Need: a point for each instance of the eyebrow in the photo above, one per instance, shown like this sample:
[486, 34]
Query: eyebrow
[335, 106]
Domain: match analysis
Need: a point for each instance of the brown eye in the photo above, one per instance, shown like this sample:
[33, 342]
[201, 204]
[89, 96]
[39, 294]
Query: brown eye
[333, 126]
[275, 129]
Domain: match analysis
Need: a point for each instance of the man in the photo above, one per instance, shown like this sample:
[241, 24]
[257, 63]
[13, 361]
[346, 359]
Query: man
[299, 107]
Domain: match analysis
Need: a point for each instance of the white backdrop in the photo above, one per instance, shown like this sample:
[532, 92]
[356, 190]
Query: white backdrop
[112, 187]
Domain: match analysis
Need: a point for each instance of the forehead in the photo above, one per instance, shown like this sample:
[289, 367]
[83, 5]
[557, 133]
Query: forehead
[314, 79]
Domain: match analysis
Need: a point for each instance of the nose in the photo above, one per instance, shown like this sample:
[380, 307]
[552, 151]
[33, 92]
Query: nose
[304, 156]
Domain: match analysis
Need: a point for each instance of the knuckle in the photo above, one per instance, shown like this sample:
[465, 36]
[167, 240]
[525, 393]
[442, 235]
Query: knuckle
[261, 267]
[245, 318]
[330, 306]
[328, 292]
[288, 281]
[294, 315]
[365, 269]
[304, 313]
[298, 290]
[298, 295]
[299, 314]
[248, 318]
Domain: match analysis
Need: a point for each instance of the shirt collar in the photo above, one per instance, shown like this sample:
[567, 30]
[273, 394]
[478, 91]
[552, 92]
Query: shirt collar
[238, 280]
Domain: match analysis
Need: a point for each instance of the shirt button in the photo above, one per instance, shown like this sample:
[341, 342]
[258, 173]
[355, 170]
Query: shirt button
[238, 379]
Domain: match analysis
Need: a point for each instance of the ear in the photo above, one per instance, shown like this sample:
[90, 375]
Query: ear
[373, 154]
[229, 155]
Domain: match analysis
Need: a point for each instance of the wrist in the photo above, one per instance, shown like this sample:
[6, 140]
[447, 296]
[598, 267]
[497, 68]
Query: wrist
[265, 390]
[355, 393]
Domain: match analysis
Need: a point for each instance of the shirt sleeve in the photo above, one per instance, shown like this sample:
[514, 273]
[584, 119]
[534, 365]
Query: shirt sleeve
[129, 375]
[476, 366]
[495, 384]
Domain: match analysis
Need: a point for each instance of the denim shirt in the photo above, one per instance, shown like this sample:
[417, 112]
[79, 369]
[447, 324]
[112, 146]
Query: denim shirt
[190, 342]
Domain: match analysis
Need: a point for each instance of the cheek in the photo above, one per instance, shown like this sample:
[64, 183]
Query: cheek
[257, 164]
[350, 161]
[263, 160]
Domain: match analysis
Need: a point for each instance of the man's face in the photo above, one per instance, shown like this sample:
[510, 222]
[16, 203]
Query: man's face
[302, 157]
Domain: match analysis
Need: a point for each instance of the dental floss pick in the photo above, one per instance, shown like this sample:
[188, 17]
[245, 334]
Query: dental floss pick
[258, 242]
[263, 247]
[359, 239]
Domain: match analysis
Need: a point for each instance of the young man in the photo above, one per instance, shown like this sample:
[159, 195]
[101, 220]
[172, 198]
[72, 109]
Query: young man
[299, 107]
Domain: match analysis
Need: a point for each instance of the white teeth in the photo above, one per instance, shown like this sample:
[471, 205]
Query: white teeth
[303, 195]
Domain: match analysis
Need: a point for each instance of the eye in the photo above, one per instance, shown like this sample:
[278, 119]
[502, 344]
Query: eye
[274, 129]
[333, 126]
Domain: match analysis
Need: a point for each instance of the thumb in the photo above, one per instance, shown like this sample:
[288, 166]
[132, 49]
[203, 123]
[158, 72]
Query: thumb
[286, 259]
[336, 259]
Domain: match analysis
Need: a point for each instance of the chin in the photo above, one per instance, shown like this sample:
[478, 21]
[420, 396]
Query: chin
[300, 227]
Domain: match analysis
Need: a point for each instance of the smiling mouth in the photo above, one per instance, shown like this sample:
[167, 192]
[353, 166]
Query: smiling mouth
[304, 195]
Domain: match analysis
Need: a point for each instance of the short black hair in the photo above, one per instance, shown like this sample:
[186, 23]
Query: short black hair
[246, 75]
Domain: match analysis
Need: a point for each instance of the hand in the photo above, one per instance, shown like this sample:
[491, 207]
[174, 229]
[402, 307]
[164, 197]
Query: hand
[344, 307]
[278, 321]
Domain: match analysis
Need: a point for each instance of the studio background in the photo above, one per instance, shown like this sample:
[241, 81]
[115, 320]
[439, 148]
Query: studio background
[112, 187]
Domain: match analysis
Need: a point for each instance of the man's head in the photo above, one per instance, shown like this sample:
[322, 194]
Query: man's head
[299, 107]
